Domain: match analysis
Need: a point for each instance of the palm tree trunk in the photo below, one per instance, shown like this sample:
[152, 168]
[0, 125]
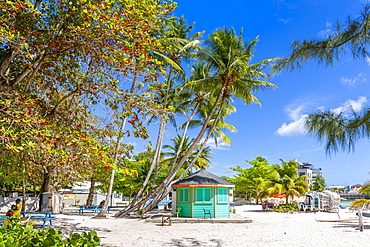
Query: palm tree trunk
[172, 174]
[184, 135]
[157, 148]
[159, 198]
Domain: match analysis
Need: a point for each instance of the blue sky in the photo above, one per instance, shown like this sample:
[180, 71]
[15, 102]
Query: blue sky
[275, 130]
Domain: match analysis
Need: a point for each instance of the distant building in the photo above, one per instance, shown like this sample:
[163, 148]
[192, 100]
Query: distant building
[353, 196]
[337, 188]
[354, 187]
[309, 170]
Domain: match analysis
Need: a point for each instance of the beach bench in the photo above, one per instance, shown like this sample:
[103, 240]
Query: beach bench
[166, 219]
[91, 208]
[38, 215]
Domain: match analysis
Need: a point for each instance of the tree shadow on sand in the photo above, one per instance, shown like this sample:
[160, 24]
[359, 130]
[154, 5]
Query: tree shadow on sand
[68, 225]
[185, 242]
[354, 226]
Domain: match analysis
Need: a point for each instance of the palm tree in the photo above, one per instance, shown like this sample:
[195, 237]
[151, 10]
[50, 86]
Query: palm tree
[201, 163]
[180, 46]
[229, 59]
[285, 179]
[365, 189]
[218, 131]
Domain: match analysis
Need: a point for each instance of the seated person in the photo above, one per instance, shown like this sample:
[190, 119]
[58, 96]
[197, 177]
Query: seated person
[15, 210]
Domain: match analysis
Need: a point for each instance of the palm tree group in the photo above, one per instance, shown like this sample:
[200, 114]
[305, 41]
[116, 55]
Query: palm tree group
[223, 71]
[285, 179]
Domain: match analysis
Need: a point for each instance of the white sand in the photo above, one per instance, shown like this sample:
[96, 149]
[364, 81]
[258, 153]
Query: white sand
[267, 229]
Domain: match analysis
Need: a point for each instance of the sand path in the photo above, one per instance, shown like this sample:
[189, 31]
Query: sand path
[267, 229]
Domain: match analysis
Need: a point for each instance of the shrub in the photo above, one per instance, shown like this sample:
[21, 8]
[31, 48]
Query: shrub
[15, 235]
[286, 208]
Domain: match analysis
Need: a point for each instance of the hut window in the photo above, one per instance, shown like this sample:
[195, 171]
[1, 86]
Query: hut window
[184, 195]
[222, 195]
[203, 195]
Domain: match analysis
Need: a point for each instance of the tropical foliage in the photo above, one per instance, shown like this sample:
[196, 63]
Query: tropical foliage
[263, 180]
[17, 235]
[79, 79]
[340, 131]
[319, 183]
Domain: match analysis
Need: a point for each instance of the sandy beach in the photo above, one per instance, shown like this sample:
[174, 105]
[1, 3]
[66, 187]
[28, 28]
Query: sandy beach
[267, 229]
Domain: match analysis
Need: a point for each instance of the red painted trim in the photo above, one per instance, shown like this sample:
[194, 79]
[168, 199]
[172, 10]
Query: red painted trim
[204, 185]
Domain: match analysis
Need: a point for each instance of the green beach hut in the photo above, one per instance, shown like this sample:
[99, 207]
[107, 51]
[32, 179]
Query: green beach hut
[202, 194]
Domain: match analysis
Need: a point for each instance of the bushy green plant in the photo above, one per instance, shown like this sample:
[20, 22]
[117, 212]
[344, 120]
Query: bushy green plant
[287, 208]
[15, 235]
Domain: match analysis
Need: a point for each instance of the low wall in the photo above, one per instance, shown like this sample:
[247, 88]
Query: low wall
[7, 202]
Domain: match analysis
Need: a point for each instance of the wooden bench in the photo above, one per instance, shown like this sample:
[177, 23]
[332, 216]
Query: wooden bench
[94, 208]
[45, 216]
[166, 219]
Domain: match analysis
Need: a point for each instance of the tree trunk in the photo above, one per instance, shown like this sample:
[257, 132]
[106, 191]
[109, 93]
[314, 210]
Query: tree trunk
[158, 146]
[360, 219]
[45, 186]
[90, 197]
[171, 175]
[103, 212]
[183, 136]
[24, 197]
[158, 197]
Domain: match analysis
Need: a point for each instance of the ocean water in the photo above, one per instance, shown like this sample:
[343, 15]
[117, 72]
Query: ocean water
[345, 204]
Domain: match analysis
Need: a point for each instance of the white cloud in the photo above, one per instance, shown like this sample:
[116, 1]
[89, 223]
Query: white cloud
[284, 21]
[327, 31]
[221, 145]
[297, 112]
[352, 82]
[367, 59]
[297, 126]
[351, 105]
[297, 115]
[294, 128]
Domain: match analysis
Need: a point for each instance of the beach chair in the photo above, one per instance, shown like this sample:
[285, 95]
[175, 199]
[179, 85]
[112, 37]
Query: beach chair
[178, 211]
[25, 221]
[207, 211]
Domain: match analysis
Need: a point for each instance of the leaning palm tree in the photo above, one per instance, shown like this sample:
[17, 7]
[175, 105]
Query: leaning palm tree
[181, 45]
[219, 130]
[233, 75]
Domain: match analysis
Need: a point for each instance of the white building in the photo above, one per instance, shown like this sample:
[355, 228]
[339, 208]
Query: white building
[309, 170]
